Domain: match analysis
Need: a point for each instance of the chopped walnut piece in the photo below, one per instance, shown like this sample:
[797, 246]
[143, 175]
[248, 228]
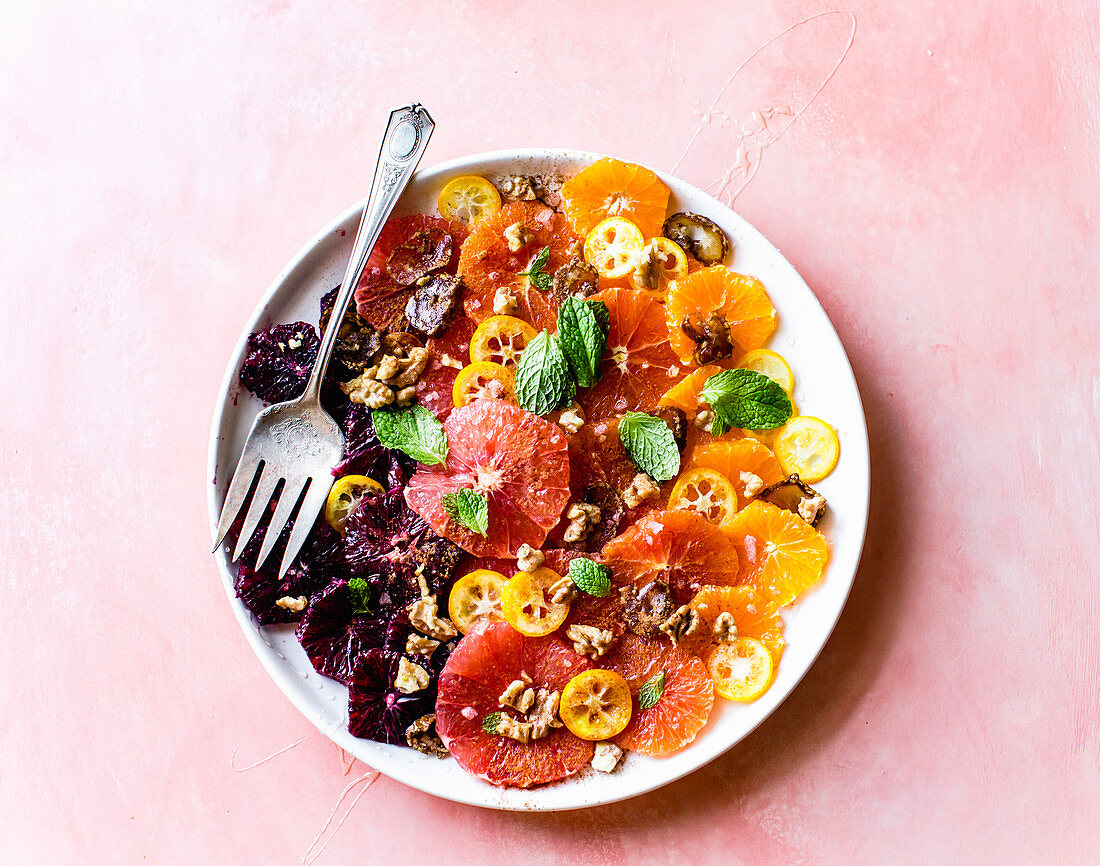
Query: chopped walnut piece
[606, 757]
[641, 488]
[588, 640]
[647, 267]
[725, 627]
[369, 391]
[582, 517]
[421, 735]
[809, 508]
[290, 602]
[447, 361]
[419, 645]
[504, 302]
[571, 419]
[684, 622]
[510, 726]
[516, 188]
[411, 677]
[424, 616]
[518, 236]
[544, 714]
[704, 420]
[563, 591]
[753, 484]
[518, 696]
[528, 559]
[392, 378]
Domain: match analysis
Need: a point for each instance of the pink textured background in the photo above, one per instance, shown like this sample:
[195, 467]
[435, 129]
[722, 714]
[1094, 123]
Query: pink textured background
[160, 162]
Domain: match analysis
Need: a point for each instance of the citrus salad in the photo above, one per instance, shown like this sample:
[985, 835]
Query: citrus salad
[576, 492]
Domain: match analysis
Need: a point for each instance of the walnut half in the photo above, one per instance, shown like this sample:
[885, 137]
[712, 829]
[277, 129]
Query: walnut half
[588, 640]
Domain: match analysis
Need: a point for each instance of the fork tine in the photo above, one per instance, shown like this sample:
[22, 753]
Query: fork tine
[261, 499]
[311, 506]
[235, 496]
[287, 500]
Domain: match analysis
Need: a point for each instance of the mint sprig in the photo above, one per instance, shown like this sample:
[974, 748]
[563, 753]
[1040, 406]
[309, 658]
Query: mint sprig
[590, 576]
[747, 400]
[490, 722]
[650, 691]
[468, 508]
[543, 382]
[359, 592]
[650, 444]
[535, 273]
[413, 430]
[582, 333]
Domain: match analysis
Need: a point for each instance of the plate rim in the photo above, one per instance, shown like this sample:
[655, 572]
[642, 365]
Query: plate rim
[282, 673]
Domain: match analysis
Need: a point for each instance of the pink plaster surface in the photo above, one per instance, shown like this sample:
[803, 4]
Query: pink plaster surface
[160, 162]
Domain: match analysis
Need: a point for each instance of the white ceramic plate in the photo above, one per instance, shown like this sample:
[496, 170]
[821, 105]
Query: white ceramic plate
[824, 387]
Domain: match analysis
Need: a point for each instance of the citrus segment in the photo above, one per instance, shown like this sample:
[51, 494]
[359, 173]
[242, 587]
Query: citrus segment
[781, 554]
[596, 704]
[527, 605]
[754, 615]
[638, 366]
[483, 665]
[491, 270]
[501, 339]
[706, 492]
[808, 446]
[740, 460]
[483, 379]
[609, 188]
[446, 354]
[685, 701]
[681, 548]
[474, 597]
[771, 364]
[738, 300]
[519, 462]
[468, 199]
[613, 246]
[741, 670]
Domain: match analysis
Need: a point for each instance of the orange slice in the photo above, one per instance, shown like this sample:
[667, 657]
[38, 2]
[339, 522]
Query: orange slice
[754, 615]
[781, 554]
[610, 188]
[738, 299]
[736, 457]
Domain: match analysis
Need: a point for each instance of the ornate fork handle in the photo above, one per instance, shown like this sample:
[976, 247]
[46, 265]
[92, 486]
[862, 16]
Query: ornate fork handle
[405, 140]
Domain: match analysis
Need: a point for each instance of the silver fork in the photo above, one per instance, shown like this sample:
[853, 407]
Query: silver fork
[293, 446]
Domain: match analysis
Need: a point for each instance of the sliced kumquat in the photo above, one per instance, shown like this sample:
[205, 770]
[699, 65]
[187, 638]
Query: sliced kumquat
[742, 670]
[613, 247]
[596, 704]
[483, 379]
[501, 340]
[475, 597]
[771, 364]
[344, 497]
[808, 446]
[610, 188]
[705, 492]
[527, 605]
[780, 554]
[468, 198]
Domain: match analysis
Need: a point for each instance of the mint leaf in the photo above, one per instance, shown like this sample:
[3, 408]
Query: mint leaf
[650, 444]
[468, 508]
[650, 691]
[746, 399]
[359, 591]
[582, 338]
[490, 722]
[414, 430]
[590, 576]
[602, 314]
[535, 274]
[542, 375]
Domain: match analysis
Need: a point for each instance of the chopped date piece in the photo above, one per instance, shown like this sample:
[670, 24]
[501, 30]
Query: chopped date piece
[796, 496]
[699, 236]
[711, 338]
[646, 608]
[356, 344]
[575, 277]
[676, 420]
[427, 250]
[433, 304]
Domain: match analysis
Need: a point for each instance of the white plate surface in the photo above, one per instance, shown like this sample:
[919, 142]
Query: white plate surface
[825, 387]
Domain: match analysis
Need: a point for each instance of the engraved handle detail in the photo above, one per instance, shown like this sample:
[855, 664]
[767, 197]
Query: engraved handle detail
[402, 147]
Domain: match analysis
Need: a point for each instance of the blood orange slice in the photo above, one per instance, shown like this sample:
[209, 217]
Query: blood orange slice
[685, 701]
[488, 266]
[639, 366]
[517, 460]
[483, 665]
[681, 548]
[448, 355]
